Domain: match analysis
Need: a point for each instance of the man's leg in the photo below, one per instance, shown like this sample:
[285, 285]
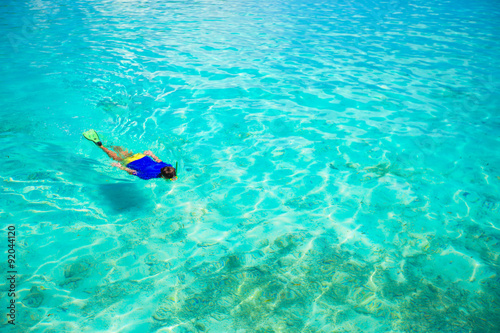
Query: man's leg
[122, 152]
[111, 154]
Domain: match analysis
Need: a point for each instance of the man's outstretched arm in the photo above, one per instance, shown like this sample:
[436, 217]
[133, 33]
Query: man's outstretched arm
[153, 156]
[130, 171]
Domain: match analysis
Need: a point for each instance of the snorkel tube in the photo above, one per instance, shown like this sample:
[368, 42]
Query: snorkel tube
[176, 176]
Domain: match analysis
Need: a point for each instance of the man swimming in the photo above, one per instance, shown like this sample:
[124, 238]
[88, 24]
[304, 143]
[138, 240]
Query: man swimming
[144, 166]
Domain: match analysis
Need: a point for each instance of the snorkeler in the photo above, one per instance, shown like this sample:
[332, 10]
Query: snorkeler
[144, 166]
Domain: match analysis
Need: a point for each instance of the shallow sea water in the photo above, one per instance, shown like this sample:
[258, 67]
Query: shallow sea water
[338, 162]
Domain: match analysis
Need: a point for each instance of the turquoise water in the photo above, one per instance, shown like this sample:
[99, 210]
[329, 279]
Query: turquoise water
[339, 165]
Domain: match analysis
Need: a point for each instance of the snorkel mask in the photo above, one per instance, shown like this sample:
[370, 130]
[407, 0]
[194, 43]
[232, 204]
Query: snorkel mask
[176, 177]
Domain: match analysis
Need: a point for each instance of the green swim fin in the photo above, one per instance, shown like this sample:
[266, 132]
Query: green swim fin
[92, 136]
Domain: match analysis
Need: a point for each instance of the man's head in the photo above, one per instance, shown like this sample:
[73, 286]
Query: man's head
[168, 172]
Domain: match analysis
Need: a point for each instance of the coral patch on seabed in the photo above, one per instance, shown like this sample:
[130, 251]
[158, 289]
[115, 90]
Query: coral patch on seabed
[34, 299]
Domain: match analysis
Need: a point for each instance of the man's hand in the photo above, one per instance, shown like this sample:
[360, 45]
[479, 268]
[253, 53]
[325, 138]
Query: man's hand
[150, 154]
[118, 165]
